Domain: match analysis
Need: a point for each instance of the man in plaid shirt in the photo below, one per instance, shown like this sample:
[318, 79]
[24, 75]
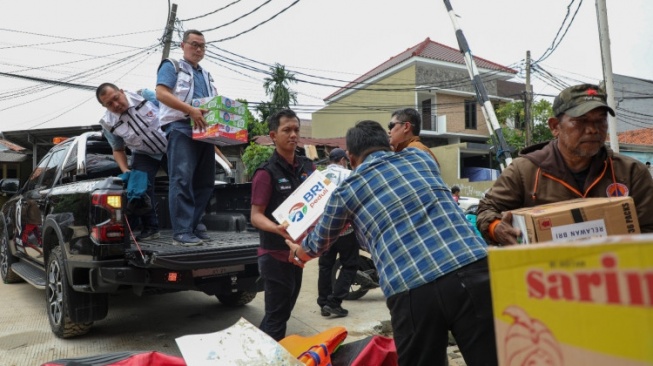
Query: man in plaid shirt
[432, 266]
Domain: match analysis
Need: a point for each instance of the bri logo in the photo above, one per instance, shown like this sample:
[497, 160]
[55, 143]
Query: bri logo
[297, 212]
[316, 193]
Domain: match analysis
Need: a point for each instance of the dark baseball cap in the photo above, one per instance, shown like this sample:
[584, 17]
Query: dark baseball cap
[577, 100]
[337, 154]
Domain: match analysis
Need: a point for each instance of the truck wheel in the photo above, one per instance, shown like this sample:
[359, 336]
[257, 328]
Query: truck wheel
[6, 260]
[57, 297]
[239, 298]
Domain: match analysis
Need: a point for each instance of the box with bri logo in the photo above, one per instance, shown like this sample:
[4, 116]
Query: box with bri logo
[305, 205]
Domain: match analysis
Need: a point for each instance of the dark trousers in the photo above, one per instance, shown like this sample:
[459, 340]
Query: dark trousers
[150, 166]
[332, 294]
[282, 282]
[459, 301]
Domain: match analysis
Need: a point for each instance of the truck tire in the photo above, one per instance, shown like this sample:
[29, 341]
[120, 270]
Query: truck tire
[58, 296]
[239, 298]
[6, 260]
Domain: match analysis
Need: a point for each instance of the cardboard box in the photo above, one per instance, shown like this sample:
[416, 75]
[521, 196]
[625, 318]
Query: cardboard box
[588, 303]
[577, 219]
[221, 103]
[305, 205]
[220, 134]
[224, 117]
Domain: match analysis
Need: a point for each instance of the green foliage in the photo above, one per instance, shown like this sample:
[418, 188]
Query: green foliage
[516, 138]
[277, 87]
[254, 156]
[254, 126]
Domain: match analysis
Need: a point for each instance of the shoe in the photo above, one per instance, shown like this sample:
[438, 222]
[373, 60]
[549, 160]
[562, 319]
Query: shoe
[186, 240]
[338, 311]
[202, 233]
[148, 235]
[323, 312]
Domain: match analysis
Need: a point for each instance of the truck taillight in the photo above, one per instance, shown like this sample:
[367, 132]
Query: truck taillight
[106, 223]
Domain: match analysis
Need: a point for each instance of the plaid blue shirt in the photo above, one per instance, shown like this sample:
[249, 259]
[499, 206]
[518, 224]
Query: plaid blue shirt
[404, 215]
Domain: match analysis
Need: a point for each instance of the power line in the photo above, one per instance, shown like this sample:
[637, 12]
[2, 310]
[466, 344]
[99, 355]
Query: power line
[212, 12]
[69, 39]
[258, 25]
[237, 19]
[549, 51]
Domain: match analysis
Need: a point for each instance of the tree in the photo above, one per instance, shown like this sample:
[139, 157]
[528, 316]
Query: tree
[515, 136]
[254, 126]
[277, 87]
[254, 156]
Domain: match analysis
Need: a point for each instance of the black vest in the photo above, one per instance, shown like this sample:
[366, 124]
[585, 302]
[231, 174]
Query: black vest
[284, 180]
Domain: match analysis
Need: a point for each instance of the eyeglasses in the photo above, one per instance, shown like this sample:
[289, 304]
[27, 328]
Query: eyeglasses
[201, 46]
[391, 125]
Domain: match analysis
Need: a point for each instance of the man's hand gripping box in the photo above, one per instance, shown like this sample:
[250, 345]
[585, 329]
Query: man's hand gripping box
[305, 205]
[588, 303]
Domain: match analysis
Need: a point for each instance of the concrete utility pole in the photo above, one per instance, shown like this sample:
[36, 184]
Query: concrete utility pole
[528, 102]
[606, 56]
[167, 39]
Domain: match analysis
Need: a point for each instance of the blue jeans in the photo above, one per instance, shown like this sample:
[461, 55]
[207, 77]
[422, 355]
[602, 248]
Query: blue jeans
[191, 169]
[150, 166]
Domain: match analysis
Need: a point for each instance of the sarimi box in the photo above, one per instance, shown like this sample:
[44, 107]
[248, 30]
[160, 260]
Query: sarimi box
[576, 219]
[587, 303]
[305, 204]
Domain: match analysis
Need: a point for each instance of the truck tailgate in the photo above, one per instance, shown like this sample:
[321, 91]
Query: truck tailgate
[225, 248]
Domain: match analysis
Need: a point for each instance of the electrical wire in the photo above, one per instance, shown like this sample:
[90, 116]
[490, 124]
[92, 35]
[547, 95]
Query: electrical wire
[258, 25]
[554, 44]
[212, 12]
[237, 19]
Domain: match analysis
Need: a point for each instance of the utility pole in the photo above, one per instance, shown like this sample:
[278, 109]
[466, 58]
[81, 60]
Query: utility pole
[167, 38]
[606, 56]
[503, 150]
[528, 102]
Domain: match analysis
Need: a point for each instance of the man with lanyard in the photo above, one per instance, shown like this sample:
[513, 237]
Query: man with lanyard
[330, 295]
[132, 121]
[191, 164]
[272, 183]
[575, 164]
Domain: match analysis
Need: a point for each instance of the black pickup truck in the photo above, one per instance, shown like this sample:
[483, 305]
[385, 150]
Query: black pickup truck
[65, 232]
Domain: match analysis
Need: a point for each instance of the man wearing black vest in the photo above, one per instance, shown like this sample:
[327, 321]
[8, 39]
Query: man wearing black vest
[272, 183]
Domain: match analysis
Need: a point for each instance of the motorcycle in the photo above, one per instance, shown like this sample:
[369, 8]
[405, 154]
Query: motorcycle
[367, 278]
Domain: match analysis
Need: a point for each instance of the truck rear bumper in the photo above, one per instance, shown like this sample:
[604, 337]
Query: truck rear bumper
[210, 281]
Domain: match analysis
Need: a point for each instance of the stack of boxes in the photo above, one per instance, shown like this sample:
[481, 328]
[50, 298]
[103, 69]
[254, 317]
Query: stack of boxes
[227, 125]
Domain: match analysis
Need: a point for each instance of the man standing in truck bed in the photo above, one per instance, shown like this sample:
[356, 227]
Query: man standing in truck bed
[191, 163]
[132, 121]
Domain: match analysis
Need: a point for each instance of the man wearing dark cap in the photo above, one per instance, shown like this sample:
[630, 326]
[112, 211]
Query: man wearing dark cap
[575, 164]
[330, 295]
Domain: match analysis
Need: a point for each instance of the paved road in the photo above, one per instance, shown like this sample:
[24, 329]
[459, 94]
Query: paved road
[153, 322]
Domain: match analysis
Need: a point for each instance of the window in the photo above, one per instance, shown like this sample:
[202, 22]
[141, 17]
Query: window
[426, 115]
[470, 114]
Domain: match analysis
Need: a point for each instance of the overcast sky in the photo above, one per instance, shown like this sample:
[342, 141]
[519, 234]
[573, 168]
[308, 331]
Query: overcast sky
[90, 42]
